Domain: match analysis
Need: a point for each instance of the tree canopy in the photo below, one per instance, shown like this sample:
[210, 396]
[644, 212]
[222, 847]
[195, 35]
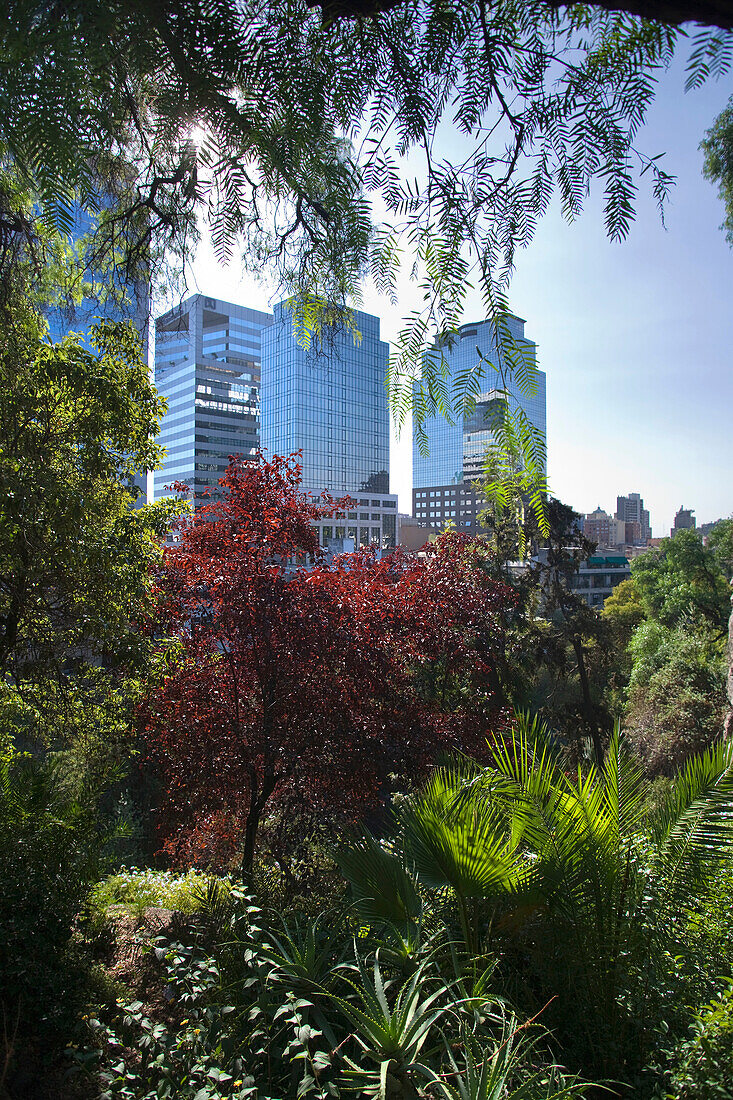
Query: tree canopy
[310, 685]
[312, 141]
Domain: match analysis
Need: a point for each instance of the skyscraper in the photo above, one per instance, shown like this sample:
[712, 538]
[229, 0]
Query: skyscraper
[329, 401]
[442, 480]
[207, 366]
[130, 303]
[632, 512]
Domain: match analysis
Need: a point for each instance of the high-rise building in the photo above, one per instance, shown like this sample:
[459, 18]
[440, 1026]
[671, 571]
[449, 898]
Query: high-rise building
[442, 480]
[329, 402]
[632, 512]
[684, 520]
[207, 366]
[131, 302]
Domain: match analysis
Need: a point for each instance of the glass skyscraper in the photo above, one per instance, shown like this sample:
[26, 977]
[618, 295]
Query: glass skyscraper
[132, 303]
[79, 317]
[457, 451]
[207, 366]
[329, 401]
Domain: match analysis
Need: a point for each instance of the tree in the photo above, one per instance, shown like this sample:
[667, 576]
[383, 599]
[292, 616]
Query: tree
[313, 683]
[682, 581]
[571, 626]
[75, 429]
[717, 147]
[676, 693]
[240, 112]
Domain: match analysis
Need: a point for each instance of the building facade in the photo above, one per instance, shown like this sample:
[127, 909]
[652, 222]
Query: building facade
[456, 451]
[603, 529]
[598, 576]
[207, 366]
[631, 511]
[442, 506]
[684, 520]
[329, 402]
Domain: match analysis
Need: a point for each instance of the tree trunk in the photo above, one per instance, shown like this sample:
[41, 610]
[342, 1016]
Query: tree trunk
[257, 803]
[590, 715]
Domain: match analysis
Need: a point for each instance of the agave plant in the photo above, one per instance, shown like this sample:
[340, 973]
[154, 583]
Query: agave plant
[391, 1032]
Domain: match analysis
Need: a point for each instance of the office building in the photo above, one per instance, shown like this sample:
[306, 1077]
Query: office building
[329, 401]
[130, 302]
[442, 478]
[632, 512]
[207, 366]
[684, 520]
[442, 506]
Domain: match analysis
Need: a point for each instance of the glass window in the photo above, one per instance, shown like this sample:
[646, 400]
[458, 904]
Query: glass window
[340, 532]
[327, 533]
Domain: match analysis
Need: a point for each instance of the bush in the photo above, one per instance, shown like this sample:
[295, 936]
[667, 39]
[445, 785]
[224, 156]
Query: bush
[49, 853]
[304, 1011]
[703, 1064]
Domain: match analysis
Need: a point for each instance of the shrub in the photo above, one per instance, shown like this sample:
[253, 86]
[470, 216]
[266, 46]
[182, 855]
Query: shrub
[49, 852]
[703, 1064]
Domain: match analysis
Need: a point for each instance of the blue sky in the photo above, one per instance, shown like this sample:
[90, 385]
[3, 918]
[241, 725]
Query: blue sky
[636, 337]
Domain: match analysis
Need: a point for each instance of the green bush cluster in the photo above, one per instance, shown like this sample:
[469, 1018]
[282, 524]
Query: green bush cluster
[49, 857]
[702, 1066]
[323, 1009]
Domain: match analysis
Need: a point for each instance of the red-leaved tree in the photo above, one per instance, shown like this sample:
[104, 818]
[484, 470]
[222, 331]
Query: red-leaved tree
[308, 685]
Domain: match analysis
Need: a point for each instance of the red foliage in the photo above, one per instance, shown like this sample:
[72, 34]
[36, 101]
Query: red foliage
[315, 683]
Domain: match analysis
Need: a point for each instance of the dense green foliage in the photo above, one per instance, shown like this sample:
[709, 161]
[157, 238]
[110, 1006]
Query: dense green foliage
[274, 1007]
[575, 882]
[676, 684]
[49, 857]
[717, 147]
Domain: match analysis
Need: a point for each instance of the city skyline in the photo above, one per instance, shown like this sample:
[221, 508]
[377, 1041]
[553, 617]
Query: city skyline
[634, 337]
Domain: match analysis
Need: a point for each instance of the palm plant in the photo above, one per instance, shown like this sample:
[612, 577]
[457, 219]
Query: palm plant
[574, 868]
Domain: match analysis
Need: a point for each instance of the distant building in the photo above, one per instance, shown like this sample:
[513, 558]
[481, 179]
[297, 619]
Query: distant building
[603, 529]
[412, 534]
[329, 401]
[684, 520]
[632, 512]
[598, 576]
[442, 506]
[207, 366]
[457, 450]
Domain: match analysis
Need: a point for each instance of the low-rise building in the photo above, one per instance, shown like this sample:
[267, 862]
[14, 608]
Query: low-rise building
[598, 576]
[603, 529]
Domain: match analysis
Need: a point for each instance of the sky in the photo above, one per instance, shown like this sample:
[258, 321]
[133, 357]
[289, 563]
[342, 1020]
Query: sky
[636, 338]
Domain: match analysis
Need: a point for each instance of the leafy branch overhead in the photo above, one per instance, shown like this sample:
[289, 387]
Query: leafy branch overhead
[316, 145]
